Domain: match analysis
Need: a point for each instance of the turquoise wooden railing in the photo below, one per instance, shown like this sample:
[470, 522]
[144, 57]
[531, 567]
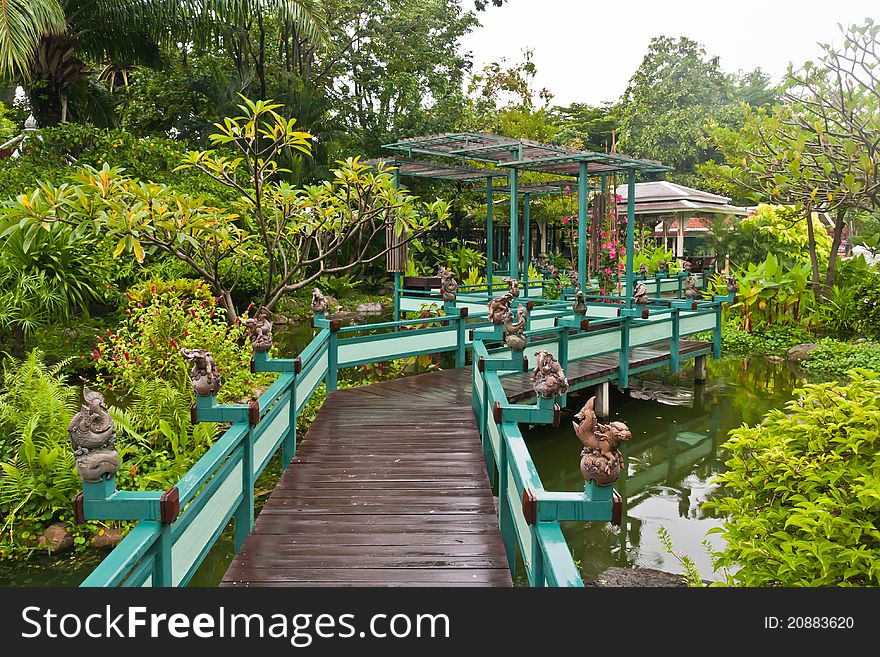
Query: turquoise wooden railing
[176, 528]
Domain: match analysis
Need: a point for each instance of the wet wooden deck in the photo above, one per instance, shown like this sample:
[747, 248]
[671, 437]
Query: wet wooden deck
[389, 488]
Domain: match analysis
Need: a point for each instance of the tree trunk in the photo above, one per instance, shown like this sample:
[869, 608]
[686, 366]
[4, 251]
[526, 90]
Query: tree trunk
[814, 257]
[839, 224]
[54, 68]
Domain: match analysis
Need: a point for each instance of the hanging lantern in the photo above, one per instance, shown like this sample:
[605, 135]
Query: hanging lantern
[396, 250]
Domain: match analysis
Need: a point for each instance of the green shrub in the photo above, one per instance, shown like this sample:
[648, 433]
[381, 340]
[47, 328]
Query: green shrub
[778, 230]
[775, 340]
[835, 357]
[802, 490]
[161, 318]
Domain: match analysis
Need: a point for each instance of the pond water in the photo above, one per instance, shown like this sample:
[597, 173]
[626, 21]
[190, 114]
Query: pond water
[677, 428]
[673, 455]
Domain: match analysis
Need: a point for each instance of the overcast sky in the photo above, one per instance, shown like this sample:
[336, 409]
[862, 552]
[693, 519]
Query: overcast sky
[586, 51]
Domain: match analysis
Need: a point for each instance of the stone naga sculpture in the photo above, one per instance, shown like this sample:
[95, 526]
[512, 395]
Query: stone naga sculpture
[499, 308]
[512, 286]
[686, 266]
[643, 269]
[640, 294]
[260, 330]
[93, 439]
[690, 287]
[601, 459]
[204, 376]
[579, 307]
[548, 379]
[573, 278]
[514, 332]
[319, 302]
[448, 284]
[662, 266]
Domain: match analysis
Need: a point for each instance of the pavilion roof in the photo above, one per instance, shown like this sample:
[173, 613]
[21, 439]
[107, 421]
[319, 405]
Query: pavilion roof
[524, 154]
[664, 197]
[428, 169]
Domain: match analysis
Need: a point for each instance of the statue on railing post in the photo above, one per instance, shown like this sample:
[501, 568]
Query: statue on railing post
[662, 267]
[260, 330]
[732, 285]
[448, 285]
[204, 375]
[640, 294]
[690, 288]
[601, 460]
[93, 439]
[512, 287]
[319, 303]
[643, 270]
[573, 278]
[514, 332]
[547, 378]
[579, 307]
[499, 308]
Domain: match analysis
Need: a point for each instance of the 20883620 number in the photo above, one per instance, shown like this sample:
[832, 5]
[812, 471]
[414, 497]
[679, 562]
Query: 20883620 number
[819, 622]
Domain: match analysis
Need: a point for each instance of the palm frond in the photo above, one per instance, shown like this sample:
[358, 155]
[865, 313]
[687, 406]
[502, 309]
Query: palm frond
[22, 23]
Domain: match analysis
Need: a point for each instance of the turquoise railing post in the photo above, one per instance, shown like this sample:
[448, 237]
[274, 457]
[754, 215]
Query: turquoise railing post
[490, 236]
[537, 561]
[716, 333]
[583, 199]
[332, 353]
[623, 361]
[630, 237]
[563, 347]
[162, 575]
[288, 445]
[461, 337]
[674, 358]
[244, 514]
[505, 513]
[397, 293]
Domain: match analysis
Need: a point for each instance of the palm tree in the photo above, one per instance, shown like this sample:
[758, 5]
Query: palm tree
[48, 45]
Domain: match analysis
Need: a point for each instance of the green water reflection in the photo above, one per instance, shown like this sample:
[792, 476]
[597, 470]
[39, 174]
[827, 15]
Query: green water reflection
[677, 429]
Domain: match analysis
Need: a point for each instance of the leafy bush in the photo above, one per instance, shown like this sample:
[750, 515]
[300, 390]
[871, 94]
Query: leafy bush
[39, 476]
[338, 286]
[835, 357]
[775, 340]
[777, 230]
[161, 318]
[803, 490]
[652, 258]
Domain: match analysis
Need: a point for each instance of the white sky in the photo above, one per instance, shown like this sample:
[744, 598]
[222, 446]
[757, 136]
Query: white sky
[586, 51]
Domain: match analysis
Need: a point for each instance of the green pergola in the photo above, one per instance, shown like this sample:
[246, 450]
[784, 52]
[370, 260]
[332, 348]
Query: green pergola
[479, 156]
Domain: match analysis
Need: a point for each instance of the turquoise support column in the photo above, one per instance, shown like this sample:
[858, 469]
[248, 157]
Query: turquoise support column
[460, 343]
[162, 575]
[505, 514]
[630, 236]
[716, 334]
[623, 360]
[288, 447]
[527, 256]
[397, 292]
[332, 358]
[514, 225]
[490, 237]
[244, 514]
[583, 199]
[674, 358]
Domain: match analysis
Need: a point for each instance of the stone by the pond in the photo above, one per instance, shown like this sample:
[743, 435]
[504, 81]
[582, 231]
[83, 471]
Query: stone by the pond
[775, 359]
[372, 307]
[56, 538]
[110, 538]
[801, 352]
[621, 577]
[278, 318]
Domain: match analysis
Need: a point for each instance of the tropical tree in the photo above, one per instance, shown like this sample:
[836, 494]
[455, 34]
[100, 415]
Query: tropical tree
[820, 150]
[50, 45]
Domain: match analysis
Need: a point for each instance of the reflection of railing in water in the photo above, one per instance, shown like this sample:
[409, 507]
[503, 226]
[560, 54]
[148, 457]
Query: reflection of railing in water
[176, 528]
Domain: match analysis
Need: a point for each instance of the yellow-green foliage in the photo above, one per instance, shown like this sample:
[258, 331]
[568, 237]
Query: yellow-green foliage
[803, 490]
[782, 231]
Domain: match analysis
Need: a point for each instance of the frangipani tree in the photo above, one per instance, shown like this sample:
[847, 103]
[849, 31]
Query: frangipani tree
[297, 234]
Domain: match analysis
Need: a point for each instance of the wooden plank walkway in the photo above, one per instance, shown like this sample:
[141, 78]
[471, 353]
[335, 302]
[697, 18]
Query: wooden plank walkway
[389, 488]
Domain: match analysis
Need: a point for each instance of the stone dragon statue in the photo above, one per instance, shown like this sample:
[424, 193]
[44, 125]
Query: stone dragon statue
[93, 439]
[260, 330]
[204, 376]
[579, 307]
[690, 288]
[319, 302]
[499, 308]
[514, 332]
[640, 294]
[512, 286]
[601, 459]
[448, 284]
[547, 378]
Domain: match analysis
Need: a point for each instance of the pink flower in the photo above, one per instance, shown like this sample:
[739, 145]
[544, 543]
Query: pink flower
[565, 220]
[611, 253]
[608, 271]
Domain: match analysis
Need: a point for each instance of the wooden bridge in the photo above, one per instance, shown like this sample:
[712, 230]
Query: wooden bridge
[389, 488]
[393, 483]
